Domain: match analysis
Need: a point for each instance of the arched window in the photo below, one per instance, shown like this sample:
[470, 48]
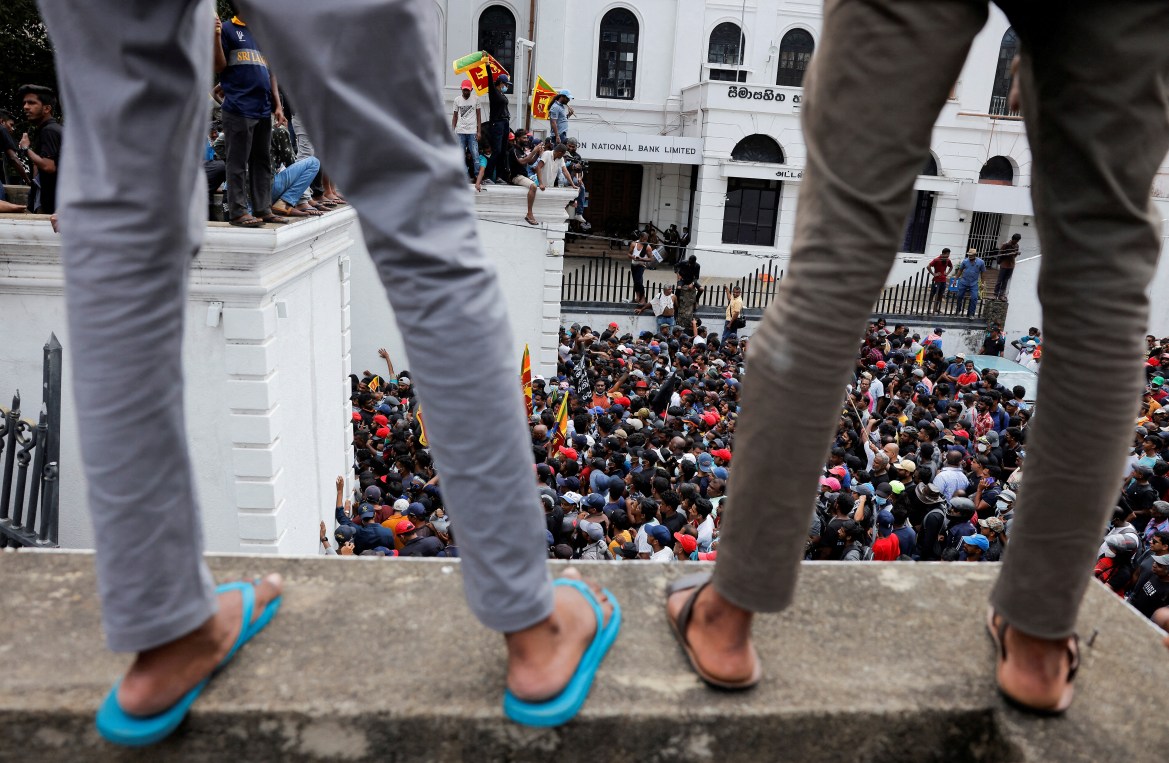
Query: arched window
[997, 170]
[726, 49]
[795, 51]
[497, 35]
[617, 55]
[1002, 75]
[758, 148]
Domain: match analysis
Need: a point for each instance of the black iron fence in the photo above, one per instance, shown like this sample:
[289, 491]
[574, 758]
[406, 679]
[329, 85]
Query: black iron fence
[611, 281]
[915, 296]
[603, 280]
[30, 454]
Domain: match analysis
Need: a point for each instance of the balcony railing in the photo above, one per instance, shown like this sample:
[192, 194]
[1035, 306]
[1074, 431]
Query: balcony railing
[1000, 108]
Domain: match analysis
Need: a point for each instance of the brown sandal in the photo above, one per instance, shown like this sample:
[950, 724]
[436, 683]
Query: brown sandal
[697, 582]
[275, 219]
[998, 633]
[308, 209]
[246, 221]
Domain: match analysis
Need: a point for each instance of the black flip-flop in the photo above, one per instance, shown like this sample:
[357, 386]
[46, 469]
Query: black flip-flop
[697, 582]
[998, 633]
[247, 221]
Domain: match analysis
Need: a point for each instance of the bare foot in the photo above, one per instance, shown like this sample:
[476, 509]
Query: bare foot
[542, 659]
[161, 676]
[1035, 672]
[7, 207]
[719, 633]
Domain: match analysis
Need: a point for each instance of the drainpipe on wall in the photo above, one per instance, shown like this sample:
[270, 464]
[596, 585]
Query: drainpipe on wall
[531, 66]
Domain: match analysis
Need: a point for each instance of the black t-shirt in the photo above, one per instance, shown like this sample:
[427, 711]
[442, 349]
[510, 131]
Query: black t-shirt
[7, 143]
[1149, 594]
[47, 145]
[993, 346]
[688, 272]
[422, 547]
[673, 521]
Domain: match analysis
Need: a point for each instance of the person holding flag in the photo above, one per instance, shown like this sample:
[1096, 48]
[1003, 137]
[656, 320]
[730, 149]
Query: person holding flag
[526, 379]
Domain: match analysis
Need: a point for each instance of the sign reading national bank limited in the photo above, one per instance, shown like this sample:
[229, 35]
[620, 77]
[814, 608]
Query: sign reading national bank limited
[643, 149]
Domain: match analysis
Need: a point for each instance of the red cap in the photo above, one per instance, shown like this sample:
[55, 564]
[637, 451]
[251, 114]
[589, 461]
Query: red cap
[356, 416]
[613, 325]
[381, 419]
[467, 85]
[568, 452]
[511, 136]
[623, 401]
[880, 364]
[641, 385]
[707, 556]
[383, 432]
[961, 433]
[689, 542]
[405, 526]
[710, 417]
[722, 454]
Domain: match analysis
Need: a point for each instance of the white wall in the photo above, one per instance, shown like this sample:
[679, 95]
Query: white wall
[266, 398]
[529, 261]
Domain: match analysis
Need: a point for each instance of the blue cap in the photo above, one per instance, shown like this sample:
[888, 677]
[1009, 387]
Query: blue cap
[885, 517]
[863, 489]
[595, 501]
[977, 539]
[503, 79]
[660, 532]
[548, 537]
[705, 463]
[720, 472]
[565, 92]
[344, 534]
[416, 510]
[373, 493]
[366, 510]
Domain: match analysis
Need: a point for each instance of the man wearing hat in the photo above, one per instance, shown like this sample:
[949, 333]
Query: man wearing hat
[973, 548]
[969, 274]
[467, 122]
[886, 546]
[1150, 595]
[660, 543]
[595, 548]
[558, 113]
[992, 528]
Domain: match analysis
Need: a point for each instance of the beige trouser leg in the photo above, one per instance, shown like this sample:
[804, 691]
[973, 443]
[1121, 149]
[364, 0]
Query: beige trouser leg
[876, 85]
[1094, 87]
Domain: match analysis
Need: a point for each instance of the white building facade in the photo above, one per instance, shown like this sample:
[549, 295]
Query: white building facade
[689, 114]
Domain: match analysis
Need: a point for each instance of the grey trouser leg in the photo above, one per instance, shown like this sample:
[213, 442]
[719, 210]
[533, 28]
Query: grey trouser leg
[304, 145]
[375, 121]
[126, 248]
[865, 145]
[1098, 127]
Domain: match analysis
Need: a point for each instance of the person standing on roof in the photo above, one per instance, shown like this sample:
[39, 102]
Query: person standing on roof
[558, 113]
[467, 122]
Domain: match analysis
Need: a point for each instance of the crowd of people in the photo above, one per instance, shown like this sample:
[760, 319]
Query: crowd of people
[497, 154]
[926, 465]
[31, 159]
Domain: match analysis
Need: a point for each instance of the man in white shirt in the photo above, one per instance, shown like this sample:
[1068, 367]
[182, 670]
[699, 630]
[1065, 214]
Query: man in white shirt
[551, 165]
[661, 544]
[467, 122]
[664, 305]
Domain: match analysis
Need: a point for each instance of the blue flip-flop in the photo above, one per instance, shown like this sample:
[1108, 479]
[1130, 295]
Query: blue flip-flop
[118, 726]
[565, 705]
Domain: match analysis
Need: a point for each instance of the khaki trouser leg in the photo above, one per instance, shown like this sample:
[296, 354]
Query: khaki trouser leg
[1098, 130]
[876, 85]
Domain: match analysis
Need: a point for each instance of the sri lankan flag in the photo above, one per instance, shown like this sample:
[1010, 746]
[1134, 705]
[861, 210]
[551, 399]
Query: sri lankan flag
[542, 95]
[561, 435]
[526, 379]
[421, 427]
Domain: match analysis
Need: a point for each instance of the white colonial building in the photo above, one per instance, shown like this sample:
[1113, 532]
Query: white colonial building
[688, 111]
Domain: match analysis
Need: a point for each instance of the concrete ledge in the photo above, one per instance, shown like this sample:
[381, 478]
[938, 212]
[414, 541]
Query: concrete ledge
[380, 659]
